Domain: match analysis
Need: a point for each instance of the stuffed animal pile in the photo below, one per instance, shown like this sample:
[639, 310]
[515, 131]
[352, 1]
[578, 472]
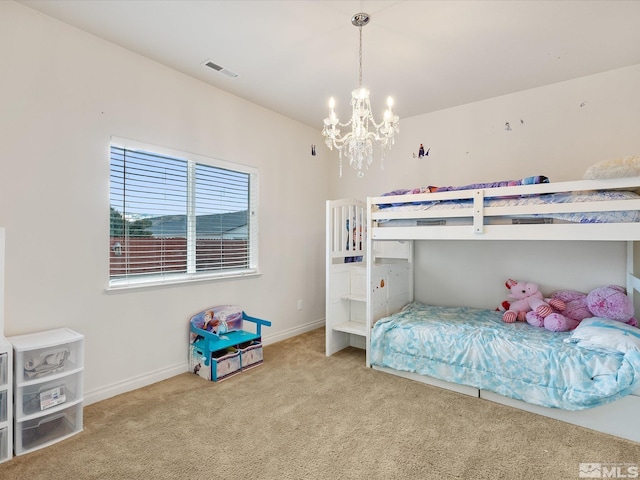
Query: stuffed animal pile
[565, 309]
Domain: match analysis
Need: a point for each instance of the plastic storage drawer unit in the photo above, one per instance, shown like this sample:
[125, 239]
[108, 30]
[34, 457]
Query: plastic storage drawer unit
[48, 387]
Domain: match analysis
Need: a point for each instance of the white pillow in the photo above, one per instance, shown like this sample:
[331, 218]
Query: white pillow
[614, 168]
[603, 333]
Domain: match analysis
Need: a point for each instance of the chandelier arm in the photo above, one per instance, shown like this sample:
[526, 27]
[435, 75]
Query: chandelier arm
[345, 124]
[341, 141]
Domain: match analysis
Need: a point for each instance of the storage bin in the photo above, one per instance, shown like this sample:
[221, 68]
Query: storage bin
[43, 431]
[35, 398]
[251, 354]
[225, 363]
[61, 352]
[222, 364]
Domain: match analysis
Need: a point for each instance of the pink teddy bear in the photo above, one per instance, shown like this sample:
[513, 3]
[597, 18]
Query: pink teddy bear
[528, 298]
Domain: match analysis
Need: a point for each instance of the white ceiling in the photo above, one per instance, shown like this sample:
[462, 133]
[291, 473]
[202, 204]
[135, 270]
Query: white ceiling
[292, 55]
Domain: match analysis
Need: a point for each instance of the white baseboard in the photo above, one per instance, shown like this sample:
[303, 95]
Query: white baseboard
[133, 383]
[292, 332]
[108, 391]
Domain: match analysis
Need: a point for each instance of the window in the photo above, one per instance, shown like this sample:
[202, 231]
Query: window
[178, 217]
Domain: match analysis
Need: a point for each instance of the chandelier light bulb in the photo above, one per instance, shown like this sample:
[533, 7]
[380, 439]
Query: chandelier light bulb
[364, 131]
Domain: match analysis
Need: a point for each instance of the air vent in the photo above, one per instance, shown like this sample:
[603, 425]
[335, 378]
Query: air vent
[219, 68]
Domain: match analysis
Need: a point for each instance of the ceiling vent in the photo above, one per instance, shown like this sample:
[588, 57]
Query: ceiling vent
[218, 68]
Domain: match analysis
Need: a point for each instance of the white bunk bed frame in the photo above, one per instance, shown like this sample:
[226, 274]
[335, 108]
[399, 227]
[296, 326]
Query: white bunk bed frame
[619, 418]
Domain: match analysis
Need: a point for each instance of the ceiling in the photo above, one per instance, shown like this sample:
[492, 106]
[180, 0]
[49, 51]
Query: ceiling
[291, 56]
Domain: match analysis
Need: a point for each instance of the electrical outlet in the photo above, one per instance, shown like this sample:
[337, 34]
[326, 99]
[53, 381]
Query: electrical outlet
[299, 304]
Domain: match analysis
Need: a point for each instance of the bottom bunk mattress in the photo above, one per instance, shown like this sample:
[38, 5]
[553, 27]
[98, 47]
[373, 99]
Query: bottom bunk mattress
[475, 347]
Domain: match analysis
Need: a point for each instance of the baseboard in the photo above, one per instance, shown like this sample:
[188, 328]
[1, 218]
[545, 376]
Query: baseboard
[140, 381]
[292, 332]
[134, 383]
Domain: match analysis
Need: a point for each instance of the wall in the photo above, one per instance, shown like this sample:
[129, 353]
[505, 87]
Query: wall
[556, 130]
[63, 94]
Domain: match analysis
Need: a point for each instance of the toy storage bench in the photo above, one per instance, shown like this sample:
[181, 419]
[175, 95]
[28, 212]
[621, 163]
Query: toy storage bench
[220, 347]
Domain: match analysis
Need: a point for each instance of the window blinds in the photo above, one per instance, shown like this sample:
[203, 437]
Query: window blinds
[177, 218]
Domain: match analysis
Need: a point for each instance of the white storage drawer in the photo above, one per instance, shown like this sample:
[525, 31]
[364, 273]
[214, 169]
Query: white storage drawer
[38, 397]
[40, 355]
[4, 406]
[4, 444]
[45, 430]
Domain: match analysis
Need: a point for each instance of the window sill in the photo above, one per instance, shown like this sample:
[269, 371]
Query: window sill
[136, 285]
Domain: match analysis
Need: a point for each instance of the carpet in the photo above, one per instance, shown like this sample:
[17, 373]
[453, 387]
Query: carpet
[302, 415]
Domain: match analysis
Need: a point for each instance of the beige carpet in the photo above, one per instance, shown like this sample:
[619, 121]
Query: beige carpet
[303, 416]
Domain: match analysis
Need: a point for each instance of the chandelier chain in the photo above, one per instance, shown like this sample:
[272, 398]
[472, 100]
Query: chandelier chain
[360, 57]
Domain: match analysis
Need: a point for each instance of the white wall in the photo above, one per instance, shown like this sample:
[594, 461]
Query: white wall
[558, 131]
[63, 93]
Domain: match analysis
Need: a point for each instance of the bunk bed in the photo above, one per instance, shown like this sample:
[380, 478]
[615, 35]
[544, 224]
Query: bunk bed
[595, 210]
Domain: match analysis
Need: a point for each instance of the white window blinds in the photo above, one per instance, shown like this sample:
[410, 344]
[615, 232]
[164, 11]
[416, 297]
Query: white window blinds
[176, 218]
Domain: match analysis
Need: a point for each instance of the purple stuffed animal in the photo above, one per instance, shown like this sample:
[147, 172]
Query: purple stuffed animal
[606, 302]
[611, 302]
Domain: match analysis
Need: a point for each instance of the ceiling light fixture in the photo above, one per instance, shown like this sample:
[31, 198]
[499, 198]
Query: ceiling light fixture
[358, 143]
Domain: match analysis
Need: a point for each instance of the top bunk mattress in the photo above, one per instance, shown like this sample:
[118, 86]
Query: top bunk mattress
[493, 195]
[475, 347]
[587, 209]
[444, 208]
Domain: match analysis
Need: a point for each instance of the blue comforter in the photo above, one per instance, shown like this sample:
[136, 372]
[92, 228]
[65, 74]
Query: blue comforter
[474, 347]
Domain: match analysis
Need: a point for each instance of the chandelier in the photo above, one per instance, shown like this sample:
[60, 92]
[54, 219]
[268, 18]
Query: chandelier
[357, 144]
